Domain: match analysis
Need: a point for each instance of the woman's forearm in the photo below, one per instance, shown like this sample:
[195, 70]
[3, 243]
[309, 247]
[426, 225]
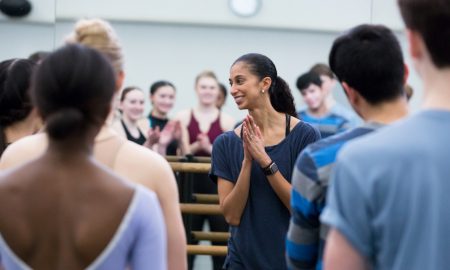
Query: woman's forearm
[281, 187]
[234, 202]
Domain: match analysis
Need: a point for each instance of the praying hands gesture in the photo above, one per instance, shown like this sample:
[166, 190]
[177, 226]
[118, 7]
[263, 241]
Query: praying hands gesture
[204, 143]
[254, 143]
[153, 135]
[158, 140]
[172, 131]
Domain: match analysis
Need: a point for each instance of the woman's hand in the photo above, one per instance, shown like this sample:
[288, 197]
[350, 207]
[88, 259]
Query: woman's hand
[169, 132]
[254, 142]
[153, 135]
[203, 141]
[245, 142]
[177, 133]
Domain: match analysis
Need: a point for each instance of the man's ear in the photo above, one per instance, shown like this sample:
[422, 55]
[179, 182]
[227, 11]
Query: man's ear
[416, 45]
[405, 77]
[352, 95]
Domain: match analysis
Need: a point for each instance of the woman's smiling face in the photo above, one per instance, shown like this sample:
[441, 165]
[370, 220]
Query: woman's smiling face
[163, 99]
[245, 86]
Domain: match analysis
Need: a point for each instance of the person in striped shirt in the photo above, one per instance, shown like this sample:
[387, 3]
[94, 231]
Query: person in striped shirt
[317, 112]
[374, 88]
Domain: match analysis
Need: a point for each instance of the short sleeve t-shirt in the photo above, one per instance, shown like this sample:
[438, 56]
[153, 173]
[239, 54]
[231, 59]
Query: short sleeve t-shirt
[389, 194]
[259, 240]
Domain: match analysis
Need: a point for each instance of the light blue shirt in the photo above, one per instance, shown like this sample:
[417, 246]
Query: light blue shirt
[389, 194]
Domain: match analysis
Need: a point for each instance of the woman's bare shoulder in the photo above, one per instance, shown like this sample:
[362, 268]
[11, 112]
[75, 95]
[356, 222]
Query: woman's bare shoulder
[140, 164]
[23, 150]
[183, 116]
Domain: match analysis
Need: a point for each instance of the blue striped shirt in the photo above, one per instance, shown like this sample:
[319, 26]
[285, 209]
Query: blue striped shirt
[327, 125]
[306, 236]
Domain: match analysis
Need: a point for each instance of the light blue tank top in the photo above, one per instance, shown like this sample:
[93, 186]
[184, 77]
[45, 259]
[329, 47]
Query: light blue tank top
[138, 243]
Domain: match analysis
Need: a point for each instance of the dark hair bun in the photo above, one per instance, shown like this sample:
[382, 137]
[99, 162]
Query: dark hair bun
[66, 121]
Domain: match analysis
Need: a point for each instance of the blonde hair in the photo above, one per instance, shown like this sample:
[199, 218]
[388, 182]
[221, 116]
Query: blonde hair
[206, 74]
[98, 34]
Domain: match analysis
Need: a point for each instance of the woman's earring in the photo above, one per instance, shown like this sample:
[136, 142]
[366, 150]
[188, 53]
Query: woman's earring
[263, 91]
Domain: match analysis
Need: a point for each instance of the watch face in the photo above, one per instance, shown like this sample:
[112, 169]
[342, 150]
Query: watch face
[274, 168]
[245, 8]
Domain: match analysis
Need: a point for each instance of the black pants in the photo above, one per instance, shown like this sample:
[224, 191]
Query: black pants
[202, 184]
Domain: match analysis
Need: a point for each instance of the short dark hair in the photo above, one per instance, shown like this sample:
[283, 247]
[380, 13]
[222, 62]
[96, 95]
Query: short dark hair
[73, 98]
[15, 102]
[322, 69]
[369, 59]
[280, 94]
[306, 79]
[156, 85]
[431, 19]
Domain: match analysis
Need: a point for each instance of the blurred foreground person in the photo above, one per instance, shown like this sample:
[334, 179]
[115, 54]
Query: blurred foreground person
[64, 210]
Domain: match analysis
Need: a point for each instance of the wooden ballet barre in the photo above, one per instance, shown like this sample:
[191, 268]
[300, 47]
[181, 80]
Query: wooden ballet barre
[200, 209]
[194, 159]
[211, 236]
[190, 167]
[207, 250]
[206, 198]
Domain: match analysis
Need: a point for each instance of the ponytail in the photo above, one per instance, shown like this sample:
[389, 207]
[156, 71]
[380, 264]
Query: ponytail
[281, 97]
[280, 94]
[67, 122]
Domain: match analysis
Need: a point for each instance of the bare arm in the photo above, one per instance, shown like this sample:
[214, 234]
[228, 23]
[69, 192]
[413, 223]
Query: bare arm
[233, 197]
[340, 254]
[168, 197]
[152, 170]
[183, 118]
[281, 187]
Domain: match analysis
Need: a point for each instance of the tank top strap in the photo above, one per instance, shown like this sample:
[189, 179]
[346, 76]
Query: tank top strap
[193, 128]
[215, 129]
[288, 125]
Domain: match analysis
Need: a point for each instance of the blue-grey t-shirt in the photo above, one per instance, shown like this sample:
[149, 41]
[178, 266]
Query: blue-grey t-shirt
[389, 194]
[259, 240]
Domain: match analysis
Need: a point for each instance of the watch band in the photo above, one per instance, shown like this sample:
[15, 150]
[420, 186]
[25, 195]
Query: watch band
[271, 169]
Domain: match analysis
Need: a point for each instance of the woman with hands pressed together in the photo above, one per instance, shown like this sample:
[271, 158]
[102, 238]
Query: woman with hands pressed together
[164, 135]
[253, 164]
[201, 126]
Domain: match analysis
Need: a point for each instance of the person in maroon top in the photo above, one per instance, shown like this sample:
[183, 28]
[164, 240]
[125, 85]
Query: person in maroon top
[202, 125]
[195, 133]
[204, 122]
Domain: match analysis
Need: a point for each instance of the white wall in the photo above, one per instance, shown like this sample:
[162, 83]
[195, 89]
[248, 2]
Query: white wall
[22, 36]
[176, 39]
[292, 14]
[20, 39]
[178, 53]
